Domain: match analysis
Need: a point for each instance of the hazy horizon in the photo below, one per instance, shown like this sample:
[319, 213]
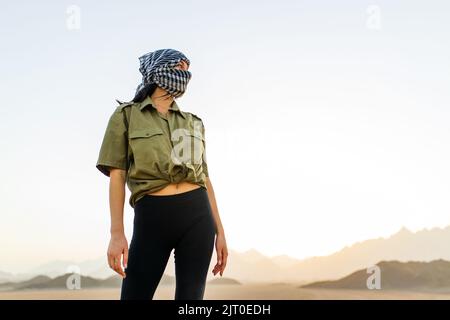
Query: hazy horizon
[323, 128]
[251, 252]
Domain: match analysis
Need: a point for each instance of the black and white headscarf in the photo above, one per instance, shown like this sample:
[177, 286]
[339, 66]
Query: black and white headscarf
[158, 67]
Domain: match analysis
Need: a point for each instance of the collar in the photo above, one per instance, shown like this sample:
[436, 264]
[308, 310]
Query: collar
[148, 101]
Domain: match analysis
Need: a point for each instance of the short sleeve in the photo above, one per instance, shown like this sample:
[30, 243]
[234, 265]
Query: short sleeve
[114, 148]
[204, 162]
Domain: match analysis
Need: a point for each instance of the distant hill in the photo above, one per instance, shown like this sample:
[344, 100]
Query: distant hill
[23, 284]
[5, 276]
[44, 282]
[413, 275]
[60, 283]
[425, 245]
[86, 282]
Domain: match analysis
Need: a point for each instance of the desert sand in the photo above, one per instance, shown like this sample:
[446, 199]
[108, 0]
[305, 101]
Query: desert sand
[229, 292]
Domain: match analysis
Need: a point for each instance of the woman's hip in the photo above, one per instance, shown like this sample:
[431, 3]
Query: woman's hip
[175, 208]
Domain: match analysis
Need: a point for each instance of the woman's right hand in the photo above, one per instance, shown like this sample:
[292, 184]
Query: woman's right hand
[118, 246]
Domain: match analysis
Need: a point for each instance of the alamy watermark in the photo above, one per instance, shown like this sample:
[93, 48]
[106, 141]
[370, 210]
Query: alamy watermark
[73, 281]
[374, 280]
[373, 21]
[73, 17]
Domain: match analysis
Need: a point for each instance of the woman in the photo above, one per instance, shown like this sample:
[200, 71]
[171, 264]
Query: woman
[158, 150]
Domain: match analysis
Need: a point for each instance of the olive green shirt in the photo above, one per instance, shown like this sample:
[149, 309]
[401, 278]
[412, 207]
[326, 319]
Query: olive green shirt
[154, 149]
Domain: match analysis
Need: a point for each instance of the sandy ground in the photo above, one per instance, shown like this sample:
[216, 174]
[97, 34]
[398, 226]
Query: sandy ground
[227, 292]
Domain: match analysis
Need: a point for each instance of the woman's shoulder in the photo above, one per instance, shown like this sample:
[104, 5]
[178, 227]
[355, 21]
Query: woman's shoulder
[193, 116]
[123, 105]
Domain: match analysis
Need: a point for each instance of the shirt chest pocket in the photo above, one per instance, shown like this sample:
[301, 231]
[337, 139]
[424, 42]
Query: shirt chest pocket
[148, 146]
[190, 149]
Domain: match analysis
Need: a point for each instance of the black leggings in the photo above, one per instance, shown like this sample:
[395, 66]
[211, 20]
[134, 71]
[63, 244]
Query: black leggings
[183, 222]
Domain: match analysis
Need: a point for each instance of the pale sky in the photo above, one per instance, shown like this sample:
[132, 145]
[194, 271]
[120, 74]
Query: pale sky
[326, 123]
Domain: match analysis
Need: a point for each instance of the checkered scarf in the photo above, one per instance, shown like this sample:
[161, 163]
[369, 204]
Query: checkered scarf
[158, 67]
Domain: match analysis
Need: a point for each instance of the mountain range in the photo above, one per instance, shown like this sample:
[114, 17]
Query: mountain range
[396, 275]
[115, 281]
[252, 266]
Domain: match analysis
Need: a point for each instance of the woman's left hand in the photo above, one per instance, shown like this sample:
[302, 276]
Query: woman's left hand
[222, 254]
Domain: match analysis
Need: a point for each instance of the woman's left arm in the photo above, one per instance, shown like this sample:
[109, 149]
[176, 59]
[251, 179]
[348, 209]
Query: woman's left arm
[221, 244]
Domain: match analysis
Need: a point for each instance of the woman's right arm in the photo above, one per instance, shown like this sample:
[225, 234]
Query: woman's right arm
[118, 245]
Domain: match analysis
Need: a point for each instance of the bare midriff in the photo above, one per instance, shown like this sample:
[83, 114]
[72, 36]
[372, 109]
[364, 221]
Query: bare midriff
[175, 188]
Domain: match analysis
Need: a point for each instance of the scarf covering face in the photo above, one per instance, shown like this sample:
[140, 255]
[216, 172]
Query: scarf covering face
[158, 67]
